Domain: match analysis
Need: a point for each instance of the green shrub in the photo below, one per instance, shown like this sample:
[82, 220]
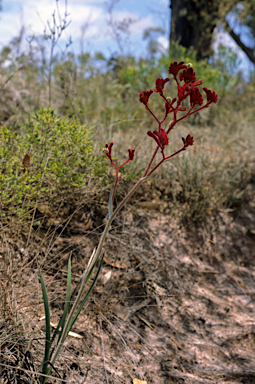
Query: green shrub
[61, 156]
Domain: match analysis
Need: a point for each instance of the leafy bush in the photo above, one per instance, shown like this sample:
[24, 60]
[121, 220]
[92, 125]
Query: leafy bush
[46, 155]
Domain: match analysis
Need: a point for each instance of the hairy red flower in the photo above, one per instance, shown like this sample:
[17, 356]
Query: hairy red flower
[188, 141]
[144, 97]
[160, 137]
[160, 83]
[195, 96]
[188, 75]
[211, 96]
[131, 153]
[175, 67]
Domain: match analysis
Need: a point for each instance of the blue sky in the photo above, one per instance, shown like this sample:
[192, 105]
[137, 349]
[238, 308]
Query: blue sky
[88, 15]
[89, 19]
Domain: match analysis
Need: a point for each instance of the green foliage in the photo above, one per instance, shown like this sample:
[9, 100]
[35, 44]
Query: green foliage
[61, 156]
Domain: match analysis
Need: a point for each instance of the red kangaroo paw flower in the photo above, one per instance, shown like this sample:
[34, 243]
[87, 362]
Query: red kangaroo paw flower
[175, 67]
[195, 96]
[144, 97]
[211, 96]
[160, 83]
[188, 75]
[160, 138]
[188, 141]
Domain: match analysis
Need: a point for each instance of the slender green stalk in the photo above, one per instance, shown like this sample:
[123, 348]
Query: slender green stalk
[94, 258]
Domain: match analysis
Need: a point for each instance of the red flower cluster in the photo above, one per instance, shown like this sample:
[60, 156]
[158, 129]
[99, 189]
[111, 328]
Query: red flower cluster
[189, 88]
[131, 153]
[109, 150]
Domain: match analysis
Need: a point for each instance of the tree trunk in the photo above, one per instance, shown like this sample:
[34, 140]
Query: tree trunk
[193, 23]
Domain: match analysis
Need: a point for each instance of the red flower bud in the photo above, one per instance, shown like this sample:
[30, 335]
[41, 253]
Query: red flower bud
[199, 82]
[182, 108]
[131, 153]
[109, 150]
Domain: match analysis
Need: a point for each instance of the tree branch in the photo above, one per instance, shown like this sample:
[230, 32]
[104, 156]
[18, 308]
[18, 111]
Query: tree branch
[250, 52]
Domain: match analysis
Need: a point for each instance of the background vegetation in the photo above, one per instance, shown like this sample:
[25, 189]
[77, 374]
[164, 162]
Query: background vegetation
[95, 100]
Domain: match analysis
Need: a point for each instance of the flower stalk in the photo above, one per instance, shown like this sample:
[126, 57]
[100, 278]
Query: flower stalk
[190, 89]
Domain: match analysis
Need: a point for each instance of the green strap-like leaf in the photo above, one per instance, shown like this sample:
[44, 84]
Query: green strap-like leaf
[47, 323]
[80, 282]
[87, 294]
[67, 303]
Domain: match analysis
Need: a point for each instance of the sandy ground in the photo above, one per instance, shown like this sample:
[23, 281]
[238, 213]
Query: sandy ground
[172, 305]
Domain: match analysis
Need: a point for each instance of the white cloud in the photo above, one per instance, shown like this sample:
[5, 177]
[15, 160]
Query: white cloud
[164, 42]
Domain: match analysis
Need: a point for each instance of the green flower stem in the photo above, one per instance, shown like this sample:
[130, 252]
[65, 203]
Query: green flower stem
[94, 258]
